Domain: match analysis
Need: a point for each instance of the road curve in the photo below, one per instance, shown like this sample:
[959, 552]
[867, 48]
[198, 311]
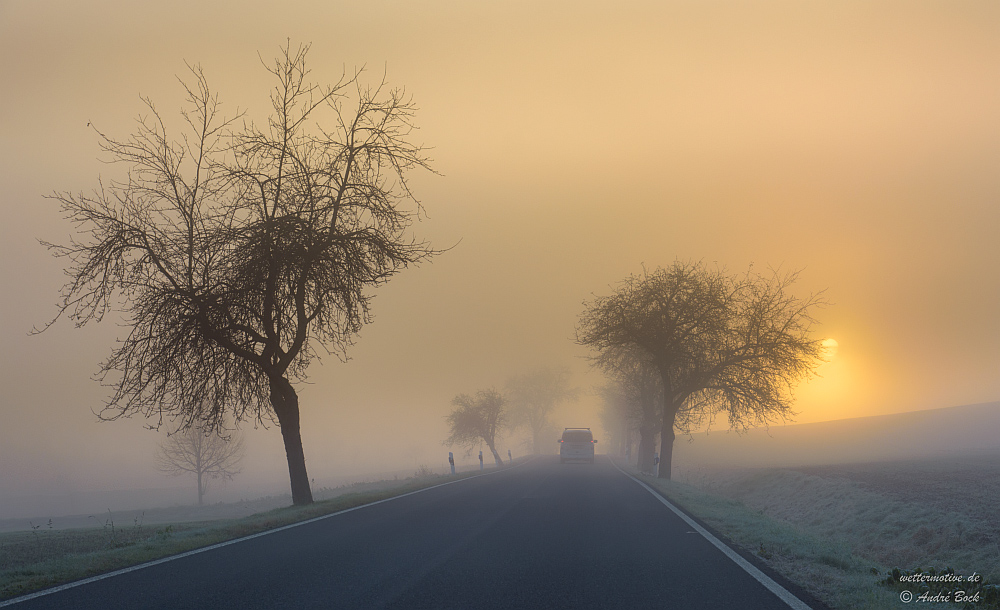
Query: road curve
[541, 535]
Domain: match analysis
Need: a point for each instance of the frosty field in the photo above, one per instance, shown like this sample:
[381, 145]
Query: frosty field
[837, 530]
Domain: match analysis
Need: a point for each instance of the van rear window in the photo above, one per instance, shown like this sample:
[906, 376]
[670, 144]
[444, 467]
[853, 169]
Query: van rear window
[577, 436]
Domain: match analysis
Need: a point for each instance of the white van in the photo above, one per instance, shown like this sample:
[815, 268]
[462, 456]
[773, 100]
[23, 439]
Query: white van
[576, 444]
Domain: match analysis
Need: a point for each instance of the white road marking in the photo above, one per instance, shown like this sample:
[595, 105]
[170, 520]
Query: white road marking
[783, 594]
[79, 583]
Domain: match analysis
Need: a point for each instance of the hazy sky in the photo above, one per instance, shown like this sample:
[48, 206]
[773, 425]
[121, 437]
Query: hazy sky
[577, 141]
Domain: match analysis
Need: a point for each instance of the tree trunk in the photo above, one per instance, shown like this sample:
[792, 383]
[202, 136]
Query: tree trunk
[496, 456]
[285, 402]
[666, 440]
[667, 424]
[201, 489]
[647, 445]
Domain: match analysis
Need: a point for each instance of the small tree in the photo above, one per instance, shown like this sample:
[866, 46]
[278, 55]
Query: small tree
[721, 344]
[238, 249]
[478, 419]
[532, 398]
[202, 453]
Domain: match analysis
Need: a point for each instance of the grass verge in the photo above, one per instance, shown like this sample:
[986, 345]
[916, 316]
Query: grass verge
[44, 557]
[826, 555]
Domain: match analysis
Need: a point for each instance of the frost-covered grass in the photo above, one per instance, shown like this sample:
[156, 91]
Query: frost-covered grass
[889, 531]
[44, 556]
[838, 537]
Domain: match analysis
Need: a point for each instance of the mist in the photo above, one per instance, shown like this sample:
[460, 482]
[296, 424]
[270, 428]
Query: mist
[575, 143]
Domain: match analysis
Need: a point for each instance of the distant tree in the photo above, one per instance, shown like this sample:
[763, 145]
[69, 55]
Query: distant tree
[478, 419]
[532, 397]
[237, 249]
[616, 419]
[721, 344]
[202, 453]
[642, 392]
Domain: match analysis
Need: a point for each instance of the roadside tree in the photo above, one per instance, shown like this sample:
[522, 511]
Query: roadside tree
[478, 419]
[238, 249]
[722, 344]
[202, 453]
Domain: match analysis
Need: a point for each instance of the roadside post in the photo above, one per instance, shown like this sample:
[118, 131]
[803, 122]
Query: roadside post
[480, 459]
[510, 458]
[451, 460]
[656, 463]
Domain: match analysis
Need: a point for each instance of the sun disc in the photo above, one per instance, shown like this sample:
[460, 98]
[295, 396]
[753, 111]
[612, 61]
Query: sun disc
[830, 346]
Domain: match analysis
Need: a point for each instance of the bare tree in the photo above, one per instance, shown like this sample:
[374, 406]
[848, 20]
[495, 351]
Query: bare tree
[478, 419]
[533, 396]
[236, 250]
[720, 343]
[202, 453]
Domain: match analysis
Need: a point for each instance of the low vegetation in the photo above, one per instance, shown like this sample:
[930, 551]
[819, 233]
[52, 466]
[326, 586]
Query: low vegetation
[848, 543]
[45, 556]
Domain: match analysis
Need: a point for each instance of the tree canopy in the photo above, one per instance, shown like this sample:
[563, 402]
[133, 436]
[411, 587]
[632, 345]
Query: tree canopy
[721, 343]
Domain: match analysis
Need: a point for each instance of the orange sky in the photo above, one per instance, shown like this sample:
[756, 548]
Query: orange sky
[858, 141]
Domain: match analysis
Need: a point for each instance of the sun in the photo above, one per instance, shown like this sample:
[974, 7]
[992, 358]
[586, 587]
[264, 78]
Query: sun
[830, 346]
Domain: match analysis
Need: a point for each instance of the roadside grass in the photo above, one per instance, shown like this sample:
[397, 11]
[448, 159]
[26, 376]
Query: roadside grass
[891, 532]
[833, 538]
[44, 557]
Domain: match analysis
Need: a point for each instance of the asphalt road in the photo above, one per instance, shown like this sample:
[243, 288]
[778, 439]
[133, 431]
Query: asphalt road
[539, 535]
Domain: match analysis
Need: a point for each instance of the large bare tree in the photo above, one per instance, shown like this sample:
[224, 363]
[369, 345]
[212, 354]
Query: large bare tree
[720, 343]
[532, 397]
[202, 453]
[478, 418]
[238, 249]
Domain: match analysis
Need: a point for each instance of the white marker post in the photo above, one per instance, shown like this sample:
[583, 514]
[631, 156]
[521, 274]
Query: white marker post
[451, 460]
[480, 459]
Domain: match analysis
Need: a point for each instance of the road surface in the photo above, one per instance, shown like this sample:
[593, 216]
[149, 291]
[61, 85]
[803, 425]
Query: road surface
[539, 535]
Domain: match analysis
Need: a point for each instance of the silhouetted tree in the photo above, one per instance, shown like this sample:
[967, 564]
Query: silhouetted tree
[236, 250]
[478, 419]
[720, 343]
[533, 396]
[202, 453]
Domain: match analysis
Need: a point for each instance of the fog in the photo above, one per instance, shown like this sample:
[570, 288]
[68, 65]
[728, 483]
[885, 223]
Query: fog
[930, 434]
[576, 141]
